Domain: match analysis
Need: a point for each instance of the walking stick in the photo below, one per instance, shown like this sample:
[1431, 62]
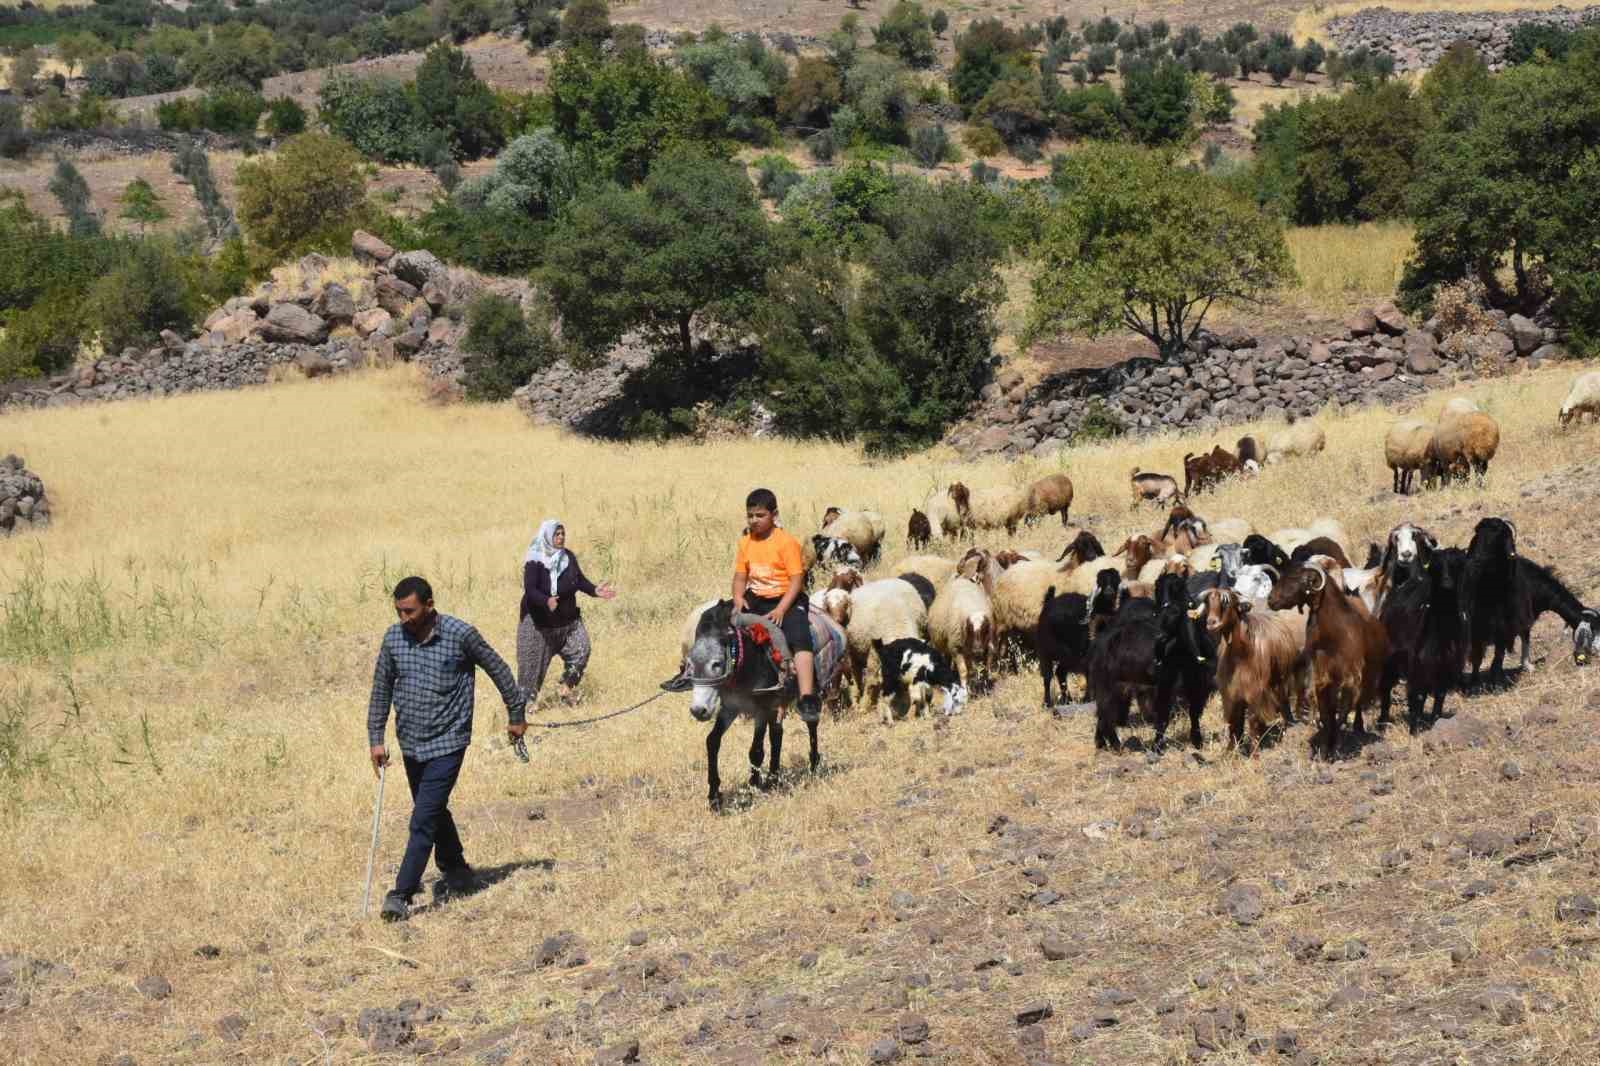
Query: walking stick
[377, 812]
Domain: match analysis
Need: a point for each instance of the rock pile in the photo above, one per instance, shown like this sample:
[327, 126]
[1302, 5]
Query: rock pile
[316, 317]
[564, 396]
[1416, 39]
[1380, 357]
[23, 503]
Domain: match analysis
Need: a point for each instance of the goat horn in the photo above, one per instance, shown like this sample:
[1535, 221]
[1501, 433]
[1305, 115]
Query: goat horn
[1322, 578]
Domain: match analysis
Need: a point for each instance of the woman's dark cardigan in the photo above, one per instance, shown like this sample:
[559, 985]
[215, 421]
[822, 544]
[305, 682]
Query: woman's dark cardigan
[536, 593]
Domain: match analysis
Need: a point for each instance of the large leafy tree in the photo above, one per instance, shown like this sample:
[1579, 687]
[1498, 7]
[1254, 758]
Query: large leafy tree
[906, 33]
[687, 249]
[619, 112]
[1141, 244]
[1357, 153]
[313, 184]
[451, 97]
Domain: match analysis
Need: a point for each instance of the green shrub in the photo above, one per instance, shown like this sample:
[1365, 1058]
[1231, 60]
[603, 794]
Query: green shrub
[147, 293]
[228, 110]
[43, 338]
[316, 183]
[285, 117]
[982, 141]
[504, 347]
[930, 145]
[775, 176]
[906, 33]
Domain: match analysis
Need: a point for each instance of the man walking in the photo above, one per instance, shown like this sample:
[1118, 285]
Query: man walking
[427, 668]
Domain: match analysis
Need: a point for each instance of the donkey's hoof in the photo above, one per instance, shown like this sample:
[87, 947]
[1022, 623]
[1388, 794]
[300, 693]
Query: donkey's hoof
[715, 803]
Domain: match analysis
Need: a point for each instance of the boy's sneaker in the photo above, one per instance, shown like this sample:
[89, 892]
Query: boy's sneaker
[810, 709]
[396, 908]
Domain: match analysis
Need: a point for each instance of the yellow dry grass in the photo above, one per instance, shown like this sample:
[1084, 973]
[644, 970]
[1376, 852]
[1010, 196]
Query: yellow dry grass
[1313, 21]
[186, 661]
[1341, 265]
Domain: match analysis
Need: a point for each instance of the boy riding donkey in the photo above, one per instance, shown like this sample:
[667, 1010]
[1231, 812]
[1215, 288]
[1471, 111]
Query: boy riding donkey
[768, 580]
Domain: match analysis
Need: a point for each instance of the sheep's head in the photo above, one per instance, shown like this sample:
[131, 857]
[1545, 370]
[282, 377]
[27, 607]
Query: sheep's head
[1298, 589]
[835, 551]
[1586, 637]
[829, 515]
[1084, 548]
[836, 603]
[847, 579]
[1005, 558]
[961, 497]
[976, 565]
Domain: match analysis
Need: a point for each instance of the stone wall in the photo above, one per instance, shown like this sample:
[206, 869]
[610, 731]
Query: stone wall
[1418, 39]
[23, 503]
[1380, 357]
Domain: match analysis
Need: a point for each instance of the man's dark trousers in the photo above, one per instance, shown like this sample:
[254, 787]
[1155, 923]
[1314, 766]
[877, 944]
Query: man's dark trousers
[431, 825]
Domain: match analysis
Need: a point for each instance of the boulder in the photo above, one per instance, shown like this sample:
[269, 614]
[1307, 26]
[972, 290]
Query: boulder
[410, 343]
[376, 321]
[335, 303]
[1525, 334]
[1548, 352]
[1490, 345]
[420, 268]
[293, 323]
[435, 295]
[994, 439]
[1421, 354]
[1362, 324]
[370, 249]
[394, 294]
[1390, 319]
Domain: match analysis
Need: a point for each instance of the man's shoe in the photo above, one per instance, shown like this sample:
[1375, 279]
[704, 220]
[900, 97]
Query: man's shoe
[396, 908]
[810, 709]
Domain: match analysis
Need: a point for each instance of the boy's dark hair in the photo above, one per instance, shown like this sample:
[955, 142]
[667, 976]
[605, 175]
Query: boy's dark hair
[763, 498]
[413, 586]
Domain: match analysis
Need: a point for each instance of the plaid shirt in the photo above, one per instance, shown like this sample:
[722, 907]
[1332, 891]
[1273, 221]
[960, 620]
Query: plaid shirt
[431, 684]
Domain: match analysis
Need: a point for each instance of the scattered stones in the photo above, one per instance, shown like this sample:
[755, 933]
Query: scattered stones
[1502, 1004]
[1418, 39]
[1347, 996]
[1216, 1029]
[638, 938]
[369, 248]
[1510, 771]
[1576, 908]
[1486, 842]
[1243, 903]
[231, 1027]
[1462, 731]
[23, 503]
[615, 1054]
[911, 1029]
[1035, 1011]
[883, 1050]
[208, 951]
[1055, 948]
[1477, 889]
[154, 986]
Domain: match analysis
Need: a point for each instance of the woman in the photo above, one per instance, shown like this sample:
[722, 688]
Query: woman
[551, 624]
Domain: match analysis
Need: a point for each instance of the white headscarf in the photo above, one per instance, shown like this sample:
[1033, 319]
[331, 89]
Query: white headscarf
[543, 550]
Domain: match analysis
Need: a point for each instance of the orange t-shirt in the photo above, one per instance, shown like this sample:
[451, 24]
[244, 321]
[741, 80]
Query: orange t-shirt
[770, 566]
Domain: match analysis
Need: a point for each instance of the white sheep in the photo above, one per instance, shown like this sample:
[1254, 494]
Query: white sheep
[1298, 439]
[863, 529]
[961, 625]
[1405, 449]
[935, 568]
[1461, 444]
[1230, 530]
[1583, 398]
[1293, 537]
[1459, 405]
[1002, 508]
[885, 610]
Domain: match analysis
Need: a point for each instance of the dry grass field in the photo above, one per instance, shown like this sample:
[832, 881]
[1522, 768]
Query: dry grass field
[185, 798]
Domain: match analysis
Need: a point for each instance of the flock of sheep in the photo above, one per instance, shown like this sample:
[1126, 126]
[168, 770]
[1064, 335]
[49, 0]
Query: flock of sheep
[1277, 625]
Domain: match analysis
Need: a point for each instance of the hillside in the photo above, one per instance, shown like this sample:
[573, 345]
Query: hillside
[187, 800]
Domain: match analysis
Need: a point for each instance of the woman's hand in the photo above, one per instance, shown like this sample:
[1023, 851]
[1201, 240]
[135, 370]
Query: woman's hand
[551, 603]
[605, 591]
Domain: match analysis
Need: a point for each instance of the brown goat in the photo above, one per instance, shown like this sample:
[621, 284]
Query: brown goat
[1258, 662]
[1189, 536]
[1320, 546]
[1204, 471]
[1152, 488]
[961, 496]
[918, 531]
[1346, 648]
[1139, 550]
[1176, 518]
[978, 566]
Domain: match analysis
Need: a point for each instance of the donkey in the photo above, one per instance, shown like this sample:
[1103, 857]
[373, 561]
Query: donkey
[732, 676]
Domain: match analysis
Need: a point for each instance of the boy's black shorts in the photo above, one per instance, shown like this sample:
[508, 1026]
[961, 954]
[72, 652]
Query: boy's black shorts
[796, 621]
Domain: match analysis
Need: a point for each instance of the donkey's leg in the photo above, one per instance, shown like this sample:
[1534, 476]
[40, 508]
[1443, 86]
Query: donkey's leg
[713, 747]
[757, 751]
[776, 731]
[815, 757]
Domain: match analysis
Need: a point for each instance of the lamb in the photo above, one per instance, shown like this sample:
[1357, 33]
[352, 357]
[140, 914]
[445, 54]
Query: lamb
[1498, 608]
[863, 529]
[1346, 649]
[1248, 451]
[935, 568]
[913, 669]
[847, 578]
[1427, 640]
[918, 531]
[1405, 449]
[1002, 508]
[961, 626]
[1582, 399]
[1258, 662]
[1051, 494]
[1460, 443]
[885, 610]
[1152, 488]
[1298, 439]
[1063, 641]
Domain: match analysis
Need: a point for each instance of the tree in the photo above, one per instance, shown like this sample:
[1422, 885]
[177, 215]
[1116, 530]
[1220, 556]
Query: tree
[983, 54]
[906, 33]
[72, 192]
[814, 92]
[142, 204]
[238, 56]
[939, 22]
[451, 98]
[1158, 105]
[315, 184]
[619, 113]
[191, 163]
[74, 49]
[1014, 107]
[146, 293]
[1309, 60]
[505, 347]
[930, 144]
[1356, 153]
[688, 248]
[586, 22]
[1099, 60]
[1138, 243]
[377, 115]
[1279, 63]
[285, 117]
[24, 69]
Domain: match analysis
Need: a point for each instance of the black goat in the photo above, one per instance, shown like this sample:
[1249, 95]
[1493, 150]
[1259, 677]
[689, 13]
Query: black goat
[1374, 557]
[1542, 591]
[1498, 610]
[923, 586]
[1425, 619]
[1141, 652]
[1260, 551]
[1063, 639]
